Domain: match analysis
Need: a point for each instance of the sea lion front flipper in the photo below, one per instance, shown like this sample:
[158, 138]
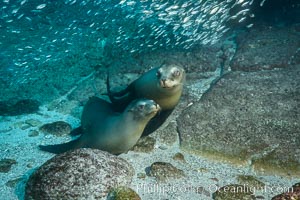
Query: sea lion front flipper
[61, 148]
[76, 131]
[121, 99]
[156, 122]
[111, 94]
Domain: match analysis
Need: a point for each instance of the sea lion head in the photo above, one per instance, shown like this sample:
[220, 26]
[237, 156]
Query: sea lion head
[170, 76]
[143, 109]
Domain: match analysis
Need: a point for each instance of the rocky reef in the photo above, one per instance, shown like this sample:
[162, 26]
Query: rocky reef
[79, 174]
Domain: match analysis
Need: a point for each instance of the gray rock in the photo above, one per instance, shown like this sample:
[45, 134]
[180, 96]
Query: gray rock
[179, 157]
[12, 183]
[6, 164]
[292, 194]
[33, 122]
[168, 135]
[122, 193]
[33, 133]
[58, 128]
[163, 171]
[248, 118]
[266, 48]
[204, 59]
[78, 174]
[141, 175]
[144, 144]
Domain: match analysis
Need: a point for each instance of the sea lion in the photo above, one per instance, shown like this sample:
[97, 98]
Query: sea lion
[163, 84]
[108, 130]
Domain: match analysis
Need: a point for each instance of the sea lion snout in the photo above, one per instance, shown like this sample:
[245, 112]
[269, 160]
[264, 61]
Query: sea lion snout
[152, 106]
[163, 83]
[170, 76]
[156, 106]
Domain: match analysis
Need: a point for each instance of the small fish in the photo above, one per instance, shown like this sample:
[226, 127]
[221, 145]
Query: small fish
[249, 26]
[14, 11]
[262, 3]
[186, 19]
[23, 2]
[73, 2]
[41, 6]
[242, 19]
[20, 16]
[214, 10]
[245, 4]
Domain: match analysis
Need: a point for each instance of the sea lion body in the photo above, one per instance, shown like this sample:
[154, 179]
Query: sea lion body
[163, 84]
[108, 130]
[166, 98]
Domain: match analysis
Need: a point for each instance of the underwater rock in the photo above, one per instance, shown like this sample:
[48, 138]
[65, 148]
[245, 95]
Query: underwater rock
[6, 130]
[25, 126]
[204, 59]
[250, 181]
[79, 174]
[266, 48]
[58, 128]
[33, 122]
[163, 171]
[141, 175]
[25, 106]
[179, 157]
[168, 135]
[233, 192]
[12, 183]
[33, 133]
[248, 118]
[292, 194]
[144, 144]
[122, 193]
[6, 164]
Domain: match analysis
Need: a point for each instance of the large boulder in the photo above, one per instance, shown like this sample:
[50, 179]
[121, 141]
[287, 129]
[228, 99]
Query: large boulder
[265, 48]
[292, 193]
[78, 174]
[248, 118]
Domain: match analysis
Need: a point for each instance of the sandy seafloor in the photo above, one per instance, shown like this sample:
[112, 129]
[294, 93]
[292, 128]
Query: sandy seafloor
[198, 184]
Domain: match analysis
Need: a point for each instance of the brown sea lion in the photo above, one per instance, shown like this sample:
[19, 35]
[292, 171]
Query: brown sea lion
[107, 130]
[163, 84]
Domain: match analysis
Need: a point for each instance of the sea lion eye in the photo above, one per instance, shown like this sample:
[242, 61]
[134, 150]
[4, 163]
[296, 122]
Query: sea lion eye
[141, 106]
[158, 74]
[176, 73]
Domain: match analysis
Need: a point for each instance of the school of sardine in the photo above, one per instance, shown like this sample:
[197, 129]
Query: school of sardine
[34, 32]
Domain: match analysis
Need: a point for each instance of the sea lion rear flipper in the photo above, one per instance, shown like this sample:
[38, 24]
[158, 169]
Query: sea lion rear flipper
[156, 122]
[61, 148]
[76, 131]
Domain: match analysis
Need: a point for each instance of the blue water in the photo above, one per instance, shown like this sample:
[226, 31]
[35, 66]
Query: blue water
[35, 33]
[44, 43]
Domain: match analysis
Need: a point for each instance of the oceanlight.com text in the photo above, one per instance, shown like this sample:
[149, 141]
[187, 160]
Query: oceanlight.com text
[167, 189]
